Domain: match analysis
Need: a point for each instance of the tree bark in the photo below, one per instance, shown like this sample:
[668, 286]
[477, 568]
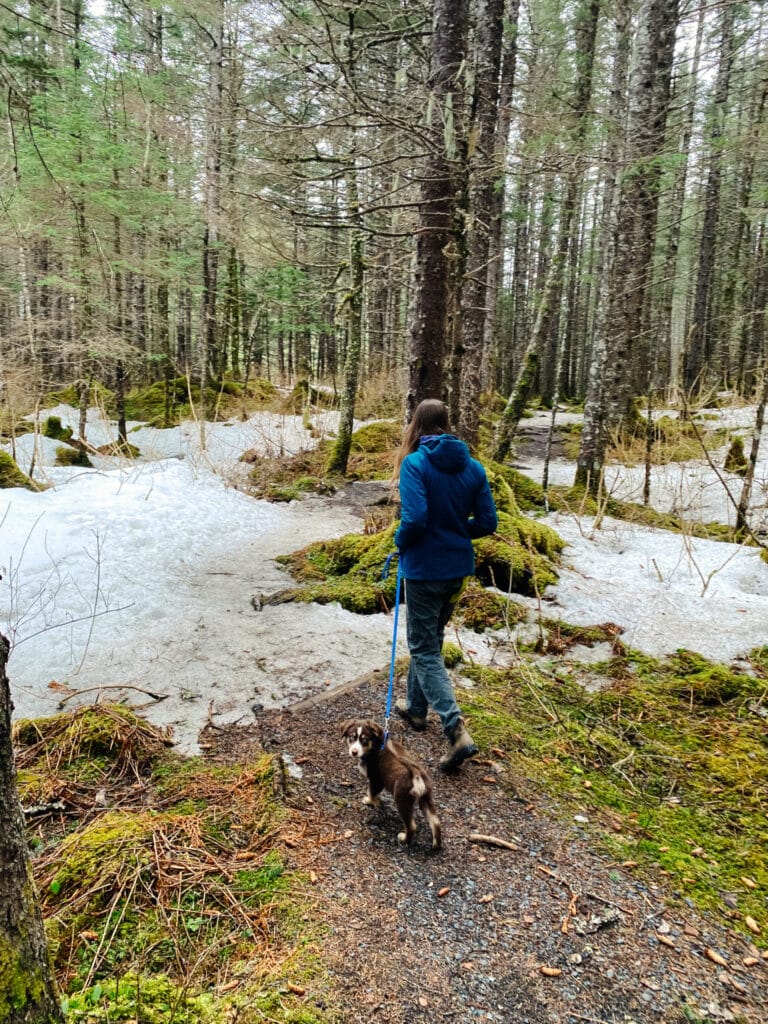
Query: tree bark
[634, 233]
[429, 322]
[700, 331]
[28, 992]
[483, 173]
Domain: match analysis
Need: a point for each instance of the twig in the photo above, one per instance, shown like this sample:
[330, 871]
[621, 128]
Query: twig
[476, 837]
[115, 686]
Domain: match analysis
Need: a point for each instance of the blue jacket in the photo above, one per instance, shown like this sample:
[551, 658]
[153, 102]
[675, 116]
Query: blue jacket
[446, 503]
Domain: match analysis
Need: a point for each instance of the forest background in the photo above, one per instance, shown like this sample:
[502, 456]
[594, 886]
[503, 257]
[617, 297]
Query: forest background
[564, 199]
[494, 202]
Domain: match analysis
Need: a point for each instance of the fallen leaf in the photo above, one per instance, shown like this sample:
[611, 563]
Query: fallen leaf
[663, 849]
[749, 882]
[629, 864]
[551, 972]
[309, 799]
[296, 989]
[468, 965]
[489, 779]
[527, 919]
[698, 851]
[498, 752]
[486, 899]
[587, 784]
[444, 891]
[228, 985]
[313, 877]
[423, 1001]
[665, 940]
[752, 924]
[690, 930]
[93, 936]
[750, 961]
[715, 957]
[347, 834]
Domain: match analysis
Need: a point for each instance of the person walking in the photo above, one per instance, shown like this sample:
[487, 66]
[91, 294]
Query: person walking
[446, 503]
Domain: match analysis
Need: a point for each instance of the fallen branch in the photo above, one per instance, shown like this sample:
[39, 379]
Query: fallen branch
[116, 686]
[475, 837]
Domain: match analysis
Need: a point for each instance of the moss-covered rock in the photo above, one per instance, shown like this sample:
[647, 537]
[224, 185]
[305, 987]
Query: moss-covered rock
[735, 459]
[122, 449]
[480, 609]
[12, 476]
[70, 456]
[347, 570]
[53, 428]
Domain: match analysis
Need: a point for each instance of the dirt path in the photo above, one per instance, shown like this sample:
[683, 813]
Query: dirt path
[549, 933]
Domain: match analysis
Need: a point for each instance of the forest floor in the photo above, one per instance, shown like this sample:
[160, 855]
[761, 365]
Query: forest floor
[550, 931]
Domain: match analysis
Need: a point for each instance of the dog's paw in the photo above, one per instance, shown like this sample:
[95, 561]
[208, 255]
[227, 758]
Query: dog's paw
[371, 801]
[402, 837]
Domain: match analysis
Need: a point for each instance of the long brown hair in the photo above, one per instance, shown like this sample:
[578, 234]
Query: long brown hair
[429, 417]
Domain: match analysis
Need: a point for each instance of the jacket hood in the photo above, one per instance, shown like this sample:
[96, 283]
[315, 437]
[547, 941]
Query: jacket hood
[446, 452]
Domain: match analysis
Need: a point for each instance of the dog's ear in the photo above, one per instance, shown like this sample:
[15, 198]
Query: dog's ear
[376, 731]
[346, 726]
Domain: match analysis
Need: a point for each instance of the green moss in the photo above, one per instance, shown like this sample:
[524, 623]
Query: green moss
[529, 495]
[52, 427]
[519, 558]
[72, 457]
[22, 982]
[347, 570]
[120, 448]
[375, 438]
[671, 753]
[579, 502]
[12, 476]
[149, 999]
[82, 749]
[97, 395]
[481, 609]
[452, 655]
[11, 426]
[149, 404]
[735, 459]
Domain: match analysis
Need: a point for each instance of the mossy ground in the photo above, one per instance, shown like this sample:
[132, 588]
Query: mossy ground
[167, 403]
[669, 761]
[576, 501]
[371, 457]
[171, 899]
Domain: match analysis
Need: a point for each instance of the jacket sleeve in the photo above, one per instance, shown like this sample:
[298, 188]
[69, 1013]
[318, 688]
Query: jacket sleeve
[413, 501]
[484, 520]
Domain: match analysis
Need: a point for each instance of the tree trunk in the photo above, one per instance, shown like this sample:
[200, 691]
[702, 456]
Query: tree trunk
[28, 991]
[483, 174]
[429, 324]
[548, 313]
[634, 232]
[701, 339]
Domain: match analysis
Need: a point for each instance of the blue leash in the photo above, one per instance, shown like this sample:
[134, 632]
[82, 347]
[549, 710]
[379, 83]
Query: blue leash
[384, 575]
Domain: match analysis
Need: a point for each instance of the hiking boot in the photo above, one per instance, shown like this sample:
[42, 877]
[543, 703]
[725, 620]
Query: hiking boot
[462, 747]
[417, 723]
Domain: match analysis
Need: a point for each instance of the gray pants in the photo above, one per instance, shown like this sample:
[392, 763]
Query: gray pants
[430, 604]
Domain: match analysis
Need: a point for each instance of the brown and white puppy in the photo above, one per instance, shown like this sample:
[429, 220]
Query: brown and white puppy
[394, 769]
